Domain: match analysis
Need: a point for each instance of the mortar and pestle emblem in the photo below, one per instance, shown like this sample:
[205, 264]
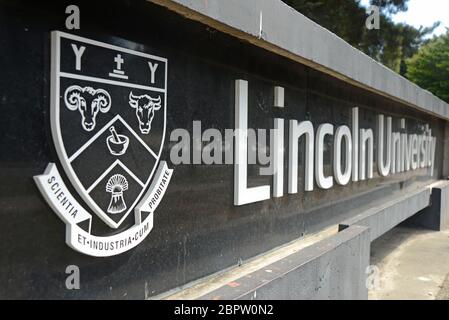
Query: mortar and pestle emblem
[117, 143]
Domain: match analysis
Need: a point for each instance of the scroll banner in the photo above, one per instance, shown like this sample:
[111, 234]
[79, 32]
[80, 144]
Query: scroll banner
[55, 192]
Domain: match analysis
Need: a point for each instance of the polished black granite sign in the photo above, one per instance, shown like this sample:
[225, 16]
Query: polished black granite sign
[197, 228]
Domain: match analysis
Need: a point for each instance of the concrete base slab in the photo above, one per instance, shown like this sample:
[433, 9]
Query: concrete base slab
[436, 216]
[333, 268]
[385, 217]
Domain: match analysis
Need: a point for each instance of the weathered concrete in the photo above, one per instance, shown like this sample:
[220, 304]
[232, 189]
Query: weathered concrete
[333, 268]
[274, 26]
[311, 263]
[436, 216]
[383, 218]
[446, 151]
[203, 286]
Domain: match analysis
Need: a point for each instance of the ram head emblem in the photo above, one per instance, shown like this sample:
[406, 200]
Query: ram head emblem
[88, 101]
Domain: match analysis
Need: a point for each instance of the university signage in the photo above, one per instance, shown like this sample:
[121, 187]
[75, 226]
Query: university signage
[108, 122]
[353, 151]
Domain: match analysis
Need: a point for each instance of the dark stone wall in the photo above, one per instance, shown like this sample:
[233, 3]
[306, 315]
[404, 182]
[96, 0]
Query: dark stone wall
[197, 229]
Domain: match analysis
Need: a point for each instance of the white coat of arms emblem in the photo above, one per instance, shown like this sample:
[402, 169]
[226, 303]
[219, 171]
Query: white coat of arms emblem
[108, 117]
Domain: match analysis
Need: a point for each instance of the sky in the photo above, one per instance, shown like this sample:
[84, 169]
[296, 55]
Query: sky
[424, 13]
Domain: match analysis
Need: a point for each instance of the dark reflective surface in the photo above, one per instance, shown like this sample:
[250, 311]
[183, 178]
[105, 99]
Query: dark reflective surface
[197, 229]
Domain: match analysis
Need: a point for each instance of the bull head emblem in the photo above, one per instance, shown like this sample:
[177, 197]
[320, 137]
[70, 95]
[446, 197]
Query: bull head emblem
[145, 107]
[88, 102]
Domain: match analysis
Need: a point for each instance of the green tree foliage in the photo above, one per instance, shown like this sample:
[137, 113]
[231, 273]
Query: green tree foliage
[429, 68]
[392, 45]
[391, 6]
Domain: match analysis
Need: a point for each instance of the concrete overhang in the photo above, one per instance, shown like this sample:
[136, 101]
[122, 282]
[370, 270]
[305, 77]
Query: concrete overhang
[276, 27]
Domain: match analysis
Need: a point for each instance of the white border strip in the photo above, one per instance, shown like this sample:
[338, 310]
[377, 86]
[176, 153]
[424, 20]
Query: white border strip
[108, 81]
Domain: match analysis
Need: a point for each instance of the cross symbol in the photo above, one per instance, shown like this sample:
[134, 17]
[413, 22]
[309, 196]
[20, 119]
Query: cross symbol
[119, 60]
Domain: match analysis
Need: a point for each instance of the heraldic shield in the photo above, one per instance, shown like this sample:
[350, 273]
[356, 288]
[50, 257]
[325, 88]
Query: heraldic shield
[108, 117]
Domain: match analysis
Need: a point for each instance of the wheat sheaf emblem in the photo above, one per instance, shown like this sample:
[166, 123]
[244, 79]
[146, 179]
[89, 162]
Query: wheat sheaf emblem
[116, 185]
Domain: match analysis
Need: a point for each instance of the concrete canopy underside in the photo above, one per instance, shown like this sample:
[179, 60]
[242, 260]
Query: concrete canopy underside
[276, 27]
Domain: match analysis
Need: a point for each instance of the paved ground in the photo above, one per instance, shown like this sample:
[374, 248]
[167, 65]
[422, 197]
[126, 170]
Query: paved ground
[444, 292]
[412, 264]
